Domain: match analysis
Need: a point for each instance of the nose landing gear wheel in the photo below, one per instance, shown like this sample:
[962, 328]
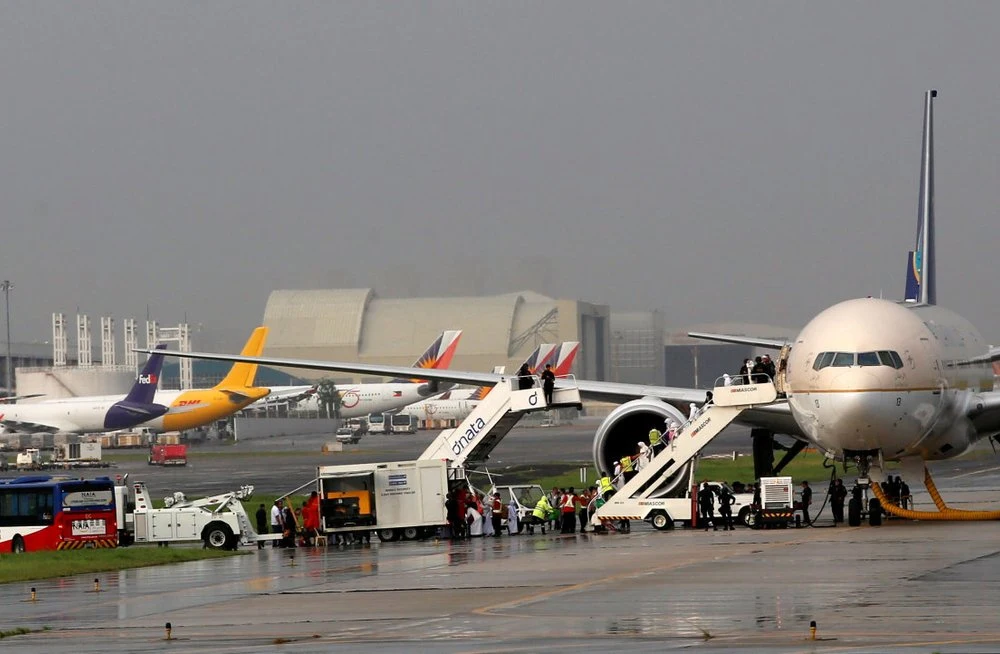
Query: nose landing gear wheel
[854, 512]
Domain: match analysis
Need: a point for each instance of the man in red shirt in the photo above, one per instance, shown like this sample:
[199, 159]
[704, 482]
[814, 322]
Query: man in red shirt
[497, 514]
[568, 508]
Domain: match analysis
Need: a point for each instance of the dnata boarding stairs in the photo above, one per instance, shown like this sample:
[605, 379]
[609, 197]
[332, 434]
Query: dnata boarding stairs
[470, 444]
[634, 500]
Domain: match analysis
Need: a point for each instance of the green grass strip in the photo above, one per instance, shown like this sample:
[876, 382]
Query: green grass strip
[47, 565]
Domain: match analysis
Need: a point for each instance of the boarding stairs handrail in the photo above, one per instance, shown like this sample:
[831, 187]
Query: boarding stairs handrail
[470, 444]
[688, 442]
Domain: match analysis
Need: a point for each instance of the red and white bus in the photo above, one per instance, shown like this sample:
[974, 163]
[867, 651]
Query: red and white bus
[56, 513]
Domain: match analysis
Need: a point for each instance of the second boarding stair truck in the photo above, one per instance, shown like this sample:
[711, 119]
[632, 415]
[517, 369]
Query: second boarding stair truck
[637, 498]
[219, 521]
[406, 499]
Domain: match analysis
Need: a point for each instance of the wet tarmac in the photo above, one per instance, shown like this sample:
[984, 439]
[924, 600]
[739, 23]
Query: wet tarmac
[900, 587]
[279, 464]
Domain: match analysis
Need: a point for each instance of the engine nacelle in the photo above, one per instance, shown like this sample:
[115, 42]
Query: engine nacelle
[627, 425]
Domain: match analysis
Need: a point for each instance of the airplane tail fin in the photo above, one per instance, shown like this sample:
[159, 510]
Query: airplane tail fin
[566, 356]
[438, 355]
[241, 375]
[144, 388]
[921, 277]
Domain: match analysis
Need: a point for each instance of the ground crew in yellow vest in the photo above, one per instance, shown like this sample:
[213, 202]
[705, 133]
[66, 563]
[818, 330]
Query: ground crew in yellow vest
[654, 438]
[540, 514]
[628, 471]
[607, 488]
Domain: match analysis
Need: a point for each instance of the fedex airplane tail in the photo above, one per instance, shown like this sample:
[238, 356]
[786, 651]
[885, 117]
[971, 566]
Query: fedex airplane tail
[241, 375]
[144, 389]
[138, 405]
[438, 355]
[921, 282]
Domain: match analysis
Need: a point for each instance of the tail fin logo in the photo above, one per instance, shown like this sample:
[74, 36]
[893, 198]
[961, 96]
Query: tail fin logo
[148, 379]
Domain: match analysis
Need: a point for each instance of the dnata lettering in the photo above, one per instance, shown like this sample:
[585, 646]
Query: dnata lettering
[470, 435]
[148, 379]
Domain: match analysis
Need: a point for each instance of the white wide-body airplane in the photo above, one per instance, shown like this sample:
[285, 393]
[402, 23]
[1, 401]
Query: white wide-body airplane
[866, 380]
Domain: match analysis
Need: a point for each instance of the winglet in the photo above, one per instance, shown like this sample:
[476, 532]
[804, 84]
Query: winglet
[241, 375]
[921, 274]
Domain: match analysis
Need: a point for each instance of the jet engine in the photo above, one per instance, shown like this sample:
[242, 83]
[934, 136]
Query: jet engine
[627, 425]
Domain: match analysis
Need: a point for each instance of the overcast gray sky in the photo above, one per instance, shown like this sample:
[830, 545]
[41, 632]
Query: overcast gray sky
[722, 161]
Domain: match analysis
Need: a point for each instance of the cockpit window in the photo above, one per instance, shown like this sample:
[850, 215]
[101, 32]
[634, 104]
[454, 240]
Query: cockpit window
[868, 359]
[823, 360]
[887, 358]
[843, 359]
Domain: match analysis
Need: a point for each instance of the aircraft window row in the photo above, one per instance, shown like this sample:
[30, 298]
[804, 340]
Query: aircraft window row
[845, 359]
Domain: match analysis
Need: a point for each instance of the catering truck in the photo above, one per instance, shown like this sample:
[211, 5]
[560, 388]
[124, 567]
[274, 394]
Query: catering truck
[397, 500]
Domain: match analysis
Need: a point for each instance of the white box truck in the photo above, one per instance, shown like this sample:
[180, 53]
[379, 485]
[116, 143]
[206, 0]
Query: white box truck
[400, 499]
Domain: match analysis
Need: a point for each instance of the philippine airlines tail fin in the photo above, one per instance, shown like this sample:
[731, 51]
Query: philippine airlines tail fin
[921, 278]
[566, 356]
[241, 375]
[144, 388]
[438, 355]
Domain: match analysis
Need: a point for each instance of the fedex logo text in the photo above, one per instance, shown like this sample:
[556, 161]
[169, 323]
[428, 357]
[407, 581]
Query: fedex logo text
[148, 379]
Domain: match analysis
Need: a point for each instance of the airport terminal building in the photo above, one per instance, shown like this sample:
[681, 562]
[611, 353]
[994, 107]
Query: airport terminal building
[357, 325]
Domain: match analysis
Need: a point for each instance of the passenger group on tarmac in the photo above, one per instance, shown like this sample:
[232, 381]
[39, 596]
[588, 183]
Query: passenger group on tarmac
[472, 514]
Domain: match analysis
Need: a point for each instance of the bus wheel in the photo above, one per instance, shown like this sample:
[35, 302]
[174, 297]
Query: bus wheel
[217, 536]
[410, 533]
[387, 535]
[17, 545]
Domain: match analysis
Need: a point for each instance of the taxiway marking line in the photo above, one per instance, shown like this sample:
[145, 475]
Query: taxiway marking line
[974, 472]
[710, 556]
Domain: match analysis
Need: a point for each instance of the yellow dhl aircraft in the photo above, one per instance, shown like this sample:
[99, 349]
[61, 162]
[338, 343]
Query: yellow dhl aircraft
[198, 407]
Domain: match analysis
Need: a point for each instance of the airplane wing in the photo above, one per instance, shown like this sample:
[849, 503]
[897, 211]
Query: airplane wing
[15, 398]
[28, 426]
[769, 417]
[989, 357]
[288, 394]
[984, 412]
[768, 343]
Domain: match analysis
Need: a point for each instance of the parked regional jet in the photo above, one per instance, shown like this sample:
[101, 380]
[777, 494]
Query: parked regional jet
[358, 400]
[866, 380]
[90, 414]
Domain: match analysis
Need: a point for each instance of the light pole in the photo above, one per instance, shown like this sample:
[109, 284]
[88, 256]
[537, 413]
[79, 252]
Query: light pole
[6, 286]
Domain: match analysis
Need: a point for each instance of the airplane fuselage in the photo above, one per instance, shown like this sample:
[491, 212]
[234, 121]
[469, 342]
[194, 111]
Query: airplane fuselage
[75, 415]
[452, 409]
[871, 374]
[198, 407]
[364, 399]
[186, 410]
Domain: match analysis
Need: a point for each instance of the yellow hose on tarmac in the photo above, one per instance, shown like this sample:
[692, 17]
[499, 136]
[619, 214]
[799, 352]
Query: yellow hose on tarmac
[943, 512]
